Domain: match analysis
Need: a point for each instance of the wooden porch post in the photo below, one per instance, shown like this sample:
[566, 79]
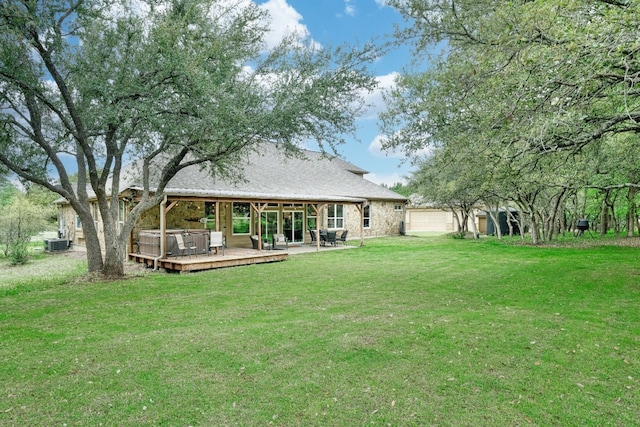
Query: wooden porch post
[217, 215]
[317, 207]
[163, 228]
[164, 210]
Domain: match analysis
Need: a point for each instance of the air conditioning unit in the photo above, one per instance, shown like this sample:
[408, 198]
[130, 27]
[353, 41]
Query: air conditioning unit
[53, 245]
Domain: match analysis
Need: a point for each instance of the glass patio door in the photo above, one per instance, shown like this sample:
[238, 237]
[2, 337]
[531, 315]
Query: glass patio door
[269, 224]
[293, 226]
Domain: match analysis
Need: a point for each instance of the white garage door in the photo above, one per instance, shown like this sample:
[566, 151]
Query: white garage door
[428, 221]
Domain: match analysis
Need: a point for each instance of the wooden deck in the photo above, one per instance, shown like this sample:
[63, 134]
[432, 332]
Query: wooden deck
[232, 257]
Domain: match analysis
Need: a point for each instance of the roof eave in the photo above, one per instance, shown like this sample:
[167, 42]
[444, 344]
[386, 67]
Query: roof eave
[223, 194]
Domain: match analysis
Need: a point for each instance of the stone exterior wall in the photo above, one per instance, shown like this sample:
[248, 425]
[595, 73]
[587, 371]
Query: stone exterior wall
[67, 224]
[385, 220]
[183, 216]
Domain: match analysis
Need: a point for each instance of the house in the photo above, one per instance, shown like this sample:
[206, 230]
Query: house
[272, 193]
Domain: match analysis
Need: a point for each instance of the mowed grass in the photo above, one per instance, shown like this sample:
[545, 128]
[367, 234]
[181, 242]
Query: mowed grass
[41, 269]
[404, 331]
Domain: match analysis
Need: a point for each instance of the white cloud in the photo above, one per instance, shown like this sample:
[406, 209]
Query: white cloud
[375, 100]
[387, 179]
[375, 148]
[285, 21]
[349, 9]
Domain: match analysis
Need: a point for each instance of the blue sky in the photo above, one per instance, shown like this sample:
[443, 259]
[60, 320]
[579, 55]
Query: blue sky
[334, 22]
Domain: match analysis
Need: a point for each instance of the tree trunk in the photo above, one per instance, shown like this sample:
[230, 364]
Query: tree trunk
[113, 262]
[555, 214]
[474, 227]
[496, 222]
[465, 221]
[535, 237]
[604, 214]
[631, 213]
[511, 220]
[94, 254]
[116, 238]
[457, 218]
[527, 208]
[114, 253]
[92, 242]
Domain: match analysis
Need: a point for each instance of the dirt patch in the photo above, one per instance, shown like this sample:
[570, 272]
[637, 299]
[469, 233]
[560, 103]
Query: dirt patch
[75, 254]
[131, 269]
[581, 242]
[42, 266]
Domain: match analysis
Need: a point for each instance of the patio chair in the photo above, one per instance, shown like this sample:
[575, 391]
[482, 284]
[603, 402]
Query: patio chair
[254, 241]
[280, 239]
[314, 239]
[331, 237]
[216, 241]
[343, 237]
[323, 237]
[182, 247]
[265, 242]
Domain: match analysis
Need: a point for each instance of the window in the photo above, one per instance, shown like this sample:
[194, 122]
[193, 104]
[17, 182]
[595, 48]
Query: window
[95, 213]
[241, 218]
[397, 208]
[366, 217]
[335, 216]
[61, 230]
[312, 219]
[121, 214]
[78, 223]
[210, 215]
[268, 224]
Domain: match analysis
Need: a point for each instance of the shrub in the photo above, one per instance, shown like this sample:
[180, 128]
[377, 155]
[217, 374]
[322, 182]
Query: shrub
[19, 222]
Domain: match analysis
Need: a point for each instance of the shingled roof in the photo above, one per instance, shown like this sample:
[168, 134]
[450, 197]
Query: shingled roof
[269, 174]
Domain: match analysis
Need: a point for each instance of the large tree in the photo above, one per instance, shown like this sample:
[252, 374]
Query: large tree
[518, 81]
[547, 75]
[89, 85]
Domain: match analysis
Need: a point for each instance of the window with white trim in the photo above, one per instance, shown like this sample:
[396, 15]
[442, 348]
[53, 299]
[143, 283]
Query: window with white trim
[78, 223]
[366, 216]
[95, 213]
[335, 216]
[241, 220]
[121, 214]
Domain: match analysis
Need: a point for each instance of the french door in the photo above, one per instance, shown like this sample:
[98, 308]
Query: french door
[293, 226]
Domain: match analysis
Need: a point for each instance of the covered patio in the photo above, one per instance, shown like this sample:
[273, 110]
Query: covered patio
[158, 247]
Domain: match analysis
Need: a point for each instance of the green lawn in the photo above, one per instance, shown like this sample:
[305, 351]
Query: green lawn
[404, 331]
